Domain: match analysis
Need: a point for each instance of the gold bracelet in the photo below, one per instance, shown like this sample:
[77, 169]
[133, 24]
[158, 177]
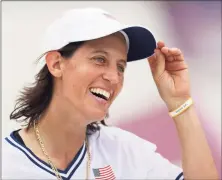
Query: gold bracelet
[182, 108]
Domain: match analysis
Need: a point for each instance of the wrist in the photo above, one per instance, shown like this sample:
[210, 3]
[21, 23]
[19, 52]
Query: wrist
[185, 115]
[175, 103]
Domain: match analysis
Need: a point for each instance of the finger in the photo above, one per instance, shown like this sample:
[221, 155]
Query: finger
[179, 57]
[152, 62]
[168, 55]
[175, 51]
[176, 66]
[175, 58]
[171, 51]
[170, 58]
[152, 59]
[159, 65]
[166, 52]
[173, 54]
[160, 44]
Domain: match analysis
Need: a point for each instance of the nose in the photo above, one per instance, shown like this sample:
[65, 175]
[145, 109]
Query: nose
[112, 75]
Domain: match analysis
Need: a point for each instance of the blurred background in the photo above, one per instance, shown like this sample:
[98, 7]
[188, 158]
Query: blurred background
[194, 27]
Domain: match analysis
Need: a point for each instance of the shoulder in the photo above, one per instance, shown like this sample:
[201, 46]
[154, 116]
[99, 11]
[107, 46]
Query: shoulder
[7, 145]
[118, 137]
[10, 157]
[139, 156]
[123, 150]
[10, 149]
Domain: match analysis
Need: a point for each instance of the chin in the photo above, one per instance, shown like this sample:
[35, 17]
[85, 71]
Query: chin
[96, 116]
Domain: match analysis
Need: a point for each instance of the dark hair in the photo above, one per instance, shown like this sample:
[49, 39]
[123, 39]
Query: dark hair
[34, 100]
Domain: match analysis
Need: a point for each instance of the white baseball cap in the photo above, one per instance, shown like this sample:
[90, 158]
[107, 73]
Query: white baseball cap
[91, 23]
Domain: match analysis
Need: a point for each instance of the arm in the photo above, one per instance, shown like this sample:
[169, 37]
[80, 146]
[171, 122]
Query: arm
[197, 161]
[170, 73]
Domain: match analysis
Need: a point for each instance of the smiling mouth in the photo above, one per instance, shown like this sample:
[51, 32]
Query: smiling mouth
[100, 93]
[100, 96]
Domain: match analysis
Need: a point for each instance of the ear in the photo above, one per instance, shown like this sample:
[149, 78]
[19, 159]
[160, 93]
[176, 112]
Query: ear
[53, 61]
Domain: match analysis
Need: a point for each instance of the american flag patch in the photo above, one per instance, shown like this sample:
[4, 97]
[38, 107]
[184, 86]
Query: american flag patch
[105, 173]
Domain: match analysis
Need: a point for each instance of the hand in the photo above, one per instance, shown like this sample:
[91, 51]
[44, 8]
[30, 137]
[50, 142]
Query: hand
[170, 73]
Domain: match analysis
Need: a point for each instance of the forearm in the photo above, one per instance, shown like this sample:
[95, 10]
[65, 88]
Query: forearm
[197, 160]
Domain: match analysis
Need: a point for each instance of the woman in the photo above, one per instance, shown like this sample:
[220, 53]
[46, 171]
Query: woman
[85, 54]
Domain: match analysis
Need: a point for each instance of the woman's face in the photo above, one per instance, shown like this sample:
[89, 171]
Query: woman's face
[93, 77]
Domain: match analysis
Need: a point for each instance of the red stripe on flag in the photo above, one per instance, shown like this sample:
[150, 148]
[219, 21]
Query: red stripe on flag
[106, 167]
[111, 178]
[106, 173]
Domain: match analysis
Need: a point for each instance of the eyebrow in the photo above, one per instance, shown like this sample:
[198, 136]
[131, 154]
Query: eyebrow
[106, 53]
[100, 51]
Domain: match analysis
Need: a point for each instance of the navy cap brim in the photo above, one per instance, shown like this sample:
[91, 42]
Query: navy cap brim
[141, 43]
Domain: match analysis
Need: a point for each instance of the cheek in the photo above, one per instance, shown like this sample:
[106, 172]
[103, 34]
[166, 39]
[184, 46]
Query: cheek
[78, 78]
[121, 82]
[119, 87]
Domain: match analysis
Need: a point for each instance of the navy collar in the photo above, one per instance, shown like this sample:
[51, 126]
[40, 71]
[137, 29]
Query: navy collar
[66, 174]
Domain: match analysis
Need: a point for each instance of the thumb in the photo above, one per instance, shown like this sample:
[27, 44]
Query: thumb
[157, 64]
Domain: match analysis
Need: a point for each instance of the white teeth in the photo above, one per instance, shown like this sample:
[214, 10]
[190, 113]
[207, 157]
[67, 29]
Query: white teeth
[100, 91]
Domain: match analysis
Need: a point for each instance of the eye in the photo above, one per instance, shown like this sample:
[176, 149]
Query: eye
[100, 60]
[121, 68]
